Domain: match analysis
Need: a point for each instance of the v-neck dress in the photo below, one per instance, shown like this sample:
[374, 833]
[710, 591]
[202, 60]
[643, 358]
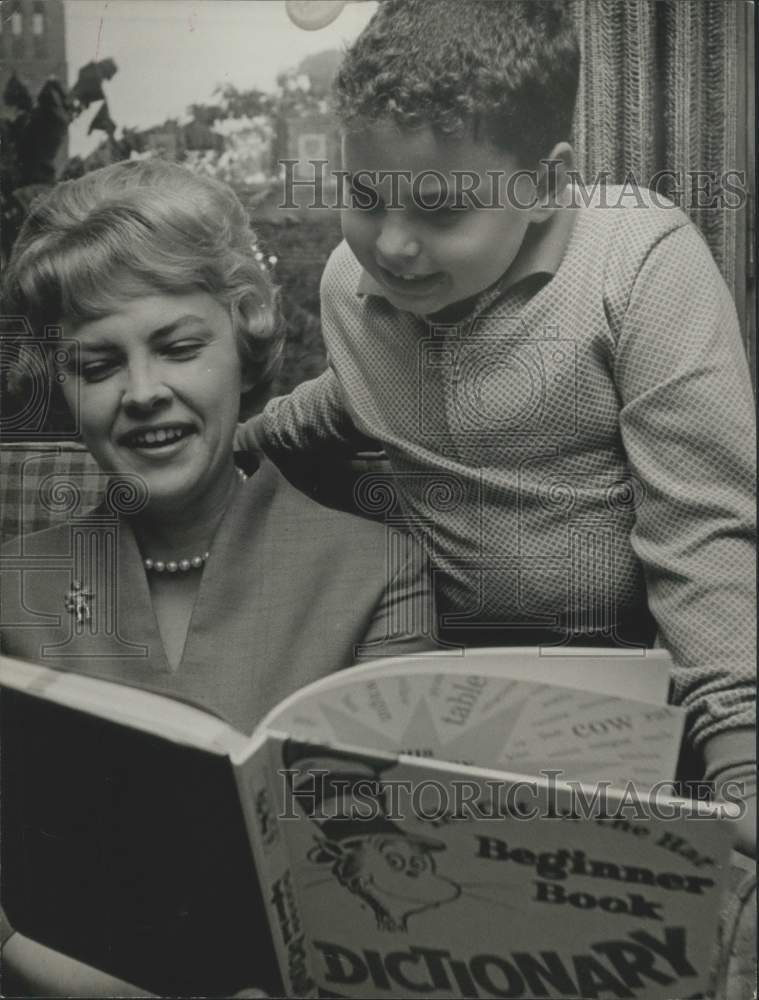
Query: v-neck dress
[291, 592]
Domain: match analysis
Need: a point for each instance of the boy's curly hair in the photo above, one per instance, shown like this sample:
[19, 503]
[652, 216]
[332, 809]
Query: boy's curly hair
[507, 69]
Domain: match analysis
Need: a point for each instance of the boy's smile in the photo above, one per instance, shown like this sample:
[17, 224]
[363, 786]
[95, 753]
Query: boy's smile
[428, 258]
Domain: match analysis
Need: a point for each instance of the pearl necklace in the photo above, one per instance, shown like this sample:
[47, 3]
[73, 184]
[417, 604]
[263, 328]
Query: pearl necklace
[183, 565]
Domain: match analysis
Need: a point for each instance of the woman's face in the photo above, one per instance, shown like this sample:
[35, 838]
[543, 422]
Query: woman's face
[158, 385]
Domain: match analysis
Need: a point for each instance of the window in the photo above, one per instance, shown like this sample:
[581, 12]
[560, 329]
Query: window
[39, 29]
[18, 42]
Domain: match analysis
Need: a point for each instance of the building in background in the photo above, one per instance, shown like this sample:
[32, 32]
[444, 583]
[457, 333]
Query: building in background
[32, 43]
[33, 48]
[312, 139]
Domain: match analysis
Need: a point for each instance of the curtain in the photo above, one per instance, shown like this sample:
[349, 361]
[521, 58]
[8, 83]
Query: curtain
[664, 87]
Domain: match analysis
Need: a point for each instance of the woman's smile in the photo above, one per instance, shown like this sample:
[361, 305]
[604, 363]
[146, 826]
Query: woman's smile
[158, 441]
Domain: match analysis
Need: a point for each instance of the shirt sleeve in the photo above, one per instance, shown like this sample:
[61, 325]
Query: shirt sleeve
[313, 417]
[687, 423]
[317, 416]
[403, 620]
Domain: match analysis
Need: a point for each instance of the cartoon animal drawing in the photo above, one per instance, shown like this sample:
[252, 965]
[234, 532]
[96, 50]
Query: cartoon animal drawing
[392, 871]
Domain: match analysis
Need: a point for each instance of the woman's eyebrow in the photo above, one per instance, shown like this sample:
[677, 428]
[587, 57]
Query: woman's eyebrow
[178, 324]
[105, 345]
[97, 346]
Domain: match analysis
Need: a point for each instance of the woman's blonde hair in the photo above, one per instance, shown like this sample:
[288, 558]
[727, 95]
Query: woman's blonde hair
[139, 228]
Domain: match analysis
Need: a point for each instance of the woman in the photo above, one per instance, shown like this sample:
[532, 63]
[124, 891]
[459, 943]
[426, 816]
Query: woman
[227, 589]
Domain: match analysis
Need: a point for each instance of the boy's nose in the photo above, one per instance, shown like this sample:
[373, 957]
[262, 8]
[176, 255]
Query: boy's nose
[396, 244]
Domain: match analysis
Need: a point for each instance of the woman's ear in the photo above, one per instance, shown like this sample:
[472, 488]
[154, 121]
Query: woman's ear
[554, 173]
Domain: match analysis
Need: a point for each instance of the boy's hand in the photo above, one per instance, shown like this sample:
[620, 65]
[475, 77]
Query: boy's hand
[247, 438]
[745, 827]
[730, 762]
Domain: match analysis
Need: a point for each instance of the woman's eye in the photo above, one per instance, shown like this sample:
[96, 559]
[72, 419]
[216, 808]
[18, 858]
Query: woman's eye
[183, 350]
[96, 371]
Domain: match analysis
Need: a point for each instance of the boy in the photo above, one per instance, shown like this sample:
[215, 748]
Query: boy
[561, 391]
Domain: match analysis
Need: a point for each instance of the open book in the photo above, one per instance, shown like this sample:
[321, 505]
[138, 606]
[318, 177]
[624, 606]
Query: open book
[488, 824]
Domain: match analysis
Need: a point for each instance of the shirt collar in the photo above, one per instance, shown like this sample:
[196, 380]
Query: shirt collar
[541, 253]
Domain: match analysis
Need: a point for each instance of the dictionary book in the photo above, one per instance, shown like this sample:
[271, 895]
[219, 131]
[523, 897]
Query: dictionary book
[495, 824]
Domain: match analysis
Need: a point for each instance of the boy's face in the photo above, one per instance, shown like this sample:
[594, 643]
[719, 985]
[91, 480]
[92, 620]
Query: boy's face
[426, 259]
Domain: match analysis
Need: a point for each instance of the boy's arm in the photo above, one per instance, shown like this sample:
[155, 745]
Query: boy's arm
[403, 620]
[313, 417]
[687, 421]
[317, 415]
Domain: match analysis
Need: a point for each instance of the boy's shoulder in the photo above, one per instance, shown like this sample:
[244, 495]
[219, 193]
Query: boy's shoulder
[635, 242]
[624, 223]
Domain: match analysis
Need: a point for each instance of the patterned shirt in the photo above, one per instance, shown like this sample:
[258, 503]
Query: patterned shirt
[578, 450]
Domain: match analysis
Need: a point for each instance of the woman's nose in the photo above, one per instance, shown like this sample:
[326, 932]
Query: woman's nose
[145, 389]
[396, 243]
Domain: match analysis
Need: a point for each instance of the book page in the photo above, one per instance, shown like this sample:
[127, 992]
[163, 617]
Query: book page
[495, 722]
[640, 674]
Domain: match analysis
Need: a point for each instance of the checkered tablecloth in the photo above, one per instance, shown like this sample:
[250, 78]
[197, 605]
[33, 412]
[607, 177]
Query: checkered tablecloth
[43, 483]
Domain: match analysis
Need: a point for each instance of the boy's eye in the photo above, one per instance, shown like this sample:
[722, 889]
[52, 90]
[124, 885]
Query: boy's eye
[363, 197]
[446, 215]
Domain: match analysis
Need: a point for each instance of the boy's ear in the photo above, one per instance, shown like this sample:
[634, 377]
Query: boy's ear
[553, 177]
